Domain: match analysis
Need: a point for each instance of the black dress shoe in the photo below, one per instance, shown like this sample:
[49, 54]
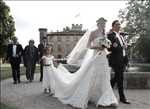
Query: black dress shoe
[40, 80]
[19, 81]
[30, 81]
[15, 82]
[125, 101]
[89, 102]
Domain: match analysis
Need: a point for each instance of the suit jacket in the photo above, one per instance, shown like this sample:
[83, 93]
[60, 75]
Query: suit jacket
[19, 52]
[40, 50]
[30, 56]
[116, 56]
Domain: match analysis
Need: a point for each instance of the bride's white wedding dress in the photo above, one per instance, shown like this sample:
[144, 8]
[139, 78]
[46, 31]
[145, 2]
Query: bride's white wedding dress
[90, 83]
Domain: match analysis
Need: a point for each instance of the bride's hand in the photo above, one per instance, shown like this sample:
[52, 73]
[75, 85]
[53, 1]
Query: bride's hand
[101, 48]
[97, 47]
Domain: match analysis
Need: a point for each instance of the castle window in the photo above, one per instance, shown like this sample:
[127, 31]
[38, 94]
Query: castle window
[76, 38]
[68, 47]
[67, 38]
[59, 38]
[59, 48]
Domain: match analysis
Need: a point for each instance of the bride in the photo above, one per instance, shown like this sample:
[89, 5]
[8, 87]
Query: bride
[91, 83]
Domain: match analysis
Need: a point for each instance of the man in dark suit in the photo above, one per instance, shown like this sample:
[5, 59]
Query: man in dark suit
[117, 59]
[30, 57]
[41, 47]
[14, 53]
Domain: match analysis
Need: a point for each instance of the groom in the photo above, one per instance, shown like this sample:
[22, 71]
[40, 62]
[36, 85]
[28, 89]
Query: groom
[117, 58]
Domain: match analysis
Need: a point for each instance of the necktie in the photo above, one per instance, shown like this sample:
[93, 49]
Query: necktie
[124, 52]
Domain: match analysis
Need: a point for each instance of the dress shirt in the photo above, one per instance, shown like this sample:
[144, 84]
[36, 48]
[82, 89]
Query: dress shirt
[14, 50]
[122, 42]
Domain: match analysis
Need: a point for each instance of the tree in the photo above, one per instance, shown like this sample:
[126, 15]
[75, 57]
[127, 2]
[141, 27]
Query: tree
[137, 18]
[7, 27]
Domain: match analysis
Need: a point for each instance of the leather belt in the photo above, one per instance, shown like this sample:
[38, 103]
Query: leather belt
[47, 65]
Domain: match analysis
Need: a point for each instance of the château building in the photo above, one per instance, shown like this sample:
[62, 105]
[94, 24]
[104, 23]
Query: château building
[63, 41]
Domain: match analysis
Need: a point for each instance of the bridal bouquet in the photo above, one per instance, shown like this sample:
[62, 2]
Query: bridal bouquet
[104, 41]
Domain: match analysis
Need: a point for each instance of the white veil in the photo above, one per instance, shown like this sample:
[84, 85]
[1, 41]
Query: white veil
[79, 51]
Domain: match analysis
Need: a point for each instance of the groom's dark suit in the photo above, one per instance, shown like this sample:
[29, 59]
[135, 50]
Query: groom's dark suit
[40, 54]
[118, 62]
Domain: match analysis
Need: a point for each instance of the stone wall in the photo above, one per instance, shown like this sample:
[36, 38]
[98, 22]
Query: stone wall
[137, 80]
[132, 80]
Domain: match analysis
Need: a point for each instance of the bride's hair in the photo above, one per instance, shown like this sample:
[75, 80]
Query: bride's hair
[101, 20]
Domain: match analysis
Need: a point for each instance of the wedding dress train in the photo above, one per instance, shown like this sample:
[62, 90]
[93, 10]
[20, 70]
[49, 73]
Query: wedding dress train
[90, 83]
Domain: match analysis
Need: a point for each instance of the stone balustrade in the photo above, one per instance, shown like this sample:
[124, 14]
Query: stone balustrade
[133, 80]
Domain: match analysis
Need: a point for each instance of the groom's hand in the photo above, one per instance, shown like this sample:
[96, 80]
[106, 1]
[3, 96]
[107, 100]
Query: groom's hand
[115, 44]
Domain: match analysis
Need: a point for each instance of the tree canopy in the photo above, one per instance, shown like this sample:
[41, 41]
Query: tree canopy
[137, 18]
[7, 26]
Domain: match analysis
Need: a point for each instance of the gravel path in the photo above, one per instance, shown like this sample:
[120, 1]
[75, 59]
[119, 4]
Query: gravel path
[30, 96]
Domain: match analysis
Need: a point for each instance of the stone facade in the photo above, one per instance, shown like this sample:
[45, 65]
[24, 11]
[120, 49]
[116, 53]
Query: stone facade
[64, 41]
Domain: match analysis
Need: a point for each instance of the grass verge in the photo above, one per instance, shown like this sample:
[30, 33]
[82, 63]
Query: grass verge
[7, 73]
[4, 106]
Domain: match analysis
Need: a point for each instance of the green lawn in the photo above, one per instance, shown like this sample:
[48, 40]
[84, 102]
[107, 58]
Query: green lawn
[4, 106]
[6, 71]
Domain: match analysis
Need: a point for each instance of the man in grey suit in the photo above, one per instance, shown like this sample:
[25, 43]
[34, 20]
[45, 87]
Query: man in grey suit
[30, 58]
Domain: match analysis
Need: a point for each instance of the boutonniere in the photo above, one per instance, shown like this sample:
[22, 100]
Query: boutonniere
[115, 44]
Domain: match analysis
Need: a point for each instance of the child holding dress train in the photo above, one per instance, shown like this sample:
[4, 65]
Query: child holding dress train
[48, 65]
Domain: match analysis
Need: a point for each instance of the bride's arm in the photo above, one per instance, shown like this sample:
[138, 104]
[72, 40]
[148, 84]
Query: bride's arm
[97, 47]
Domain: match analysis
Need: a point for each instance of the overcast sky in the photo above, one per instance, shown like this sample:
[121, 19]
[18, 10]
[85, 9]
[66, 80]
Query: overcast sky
[29, 16]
